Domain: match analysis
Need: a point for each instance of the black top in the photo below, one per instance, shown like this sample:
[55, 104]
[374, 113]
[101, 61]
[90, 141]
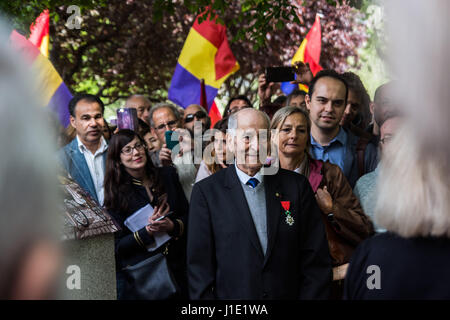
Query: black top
[225, 258]
[415, 268]
[127, 248]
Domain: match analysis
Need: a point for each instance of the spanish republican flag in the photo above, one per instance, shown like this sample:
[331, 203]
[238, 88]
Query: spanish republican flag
[309, 51]
[53, 91]
[40, 32]
[206, 55]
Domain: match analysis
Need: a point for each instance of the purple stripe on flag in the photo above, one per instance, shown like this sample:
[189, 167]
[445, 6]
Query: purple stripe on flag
[59, 103]
[185, 89]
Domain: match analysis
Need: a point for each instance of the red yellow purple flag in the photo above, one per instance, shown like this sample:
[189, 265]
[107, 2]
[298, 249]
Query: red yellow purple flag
[53, 91]
[309, 51]
[206, 55]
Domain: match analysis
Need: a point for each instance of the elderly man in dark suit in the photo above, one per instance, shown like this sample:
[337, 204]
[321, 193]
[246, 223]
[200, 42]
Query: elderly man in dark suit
[255, 236]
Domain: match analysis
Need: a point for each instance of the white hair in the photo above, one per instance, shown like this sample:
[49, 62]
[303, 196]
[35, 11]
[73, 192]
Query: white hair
[414, 187]
[28, 182]
[233, 120]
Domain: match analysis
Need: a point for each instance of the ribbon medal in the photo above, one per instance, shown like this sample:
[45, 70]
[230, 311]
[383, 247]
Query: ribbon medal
[286, 205]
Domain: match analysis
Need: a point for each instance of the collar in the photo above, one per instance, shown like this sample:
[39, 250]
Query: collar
[101, 149]
[341, 138]
[243, 177]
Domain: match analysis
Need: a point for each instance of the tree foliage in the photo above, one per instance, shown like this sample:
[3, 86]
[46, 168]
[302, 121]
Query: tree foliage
[126, 47]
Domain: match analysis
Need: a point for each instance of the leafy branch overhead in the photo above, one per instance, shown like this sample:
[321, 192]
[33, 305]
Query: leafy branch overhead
[131, 46]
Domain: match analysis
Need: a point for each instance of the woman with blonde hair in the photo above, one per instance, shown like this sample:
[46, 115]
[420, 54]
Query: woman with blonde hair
[345, 222]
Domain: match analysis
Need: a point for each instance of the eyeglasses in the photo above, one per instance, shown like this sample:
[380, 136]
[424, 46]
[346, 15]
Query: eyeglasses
[198, 115]
[386, 139]
[230, 111]
[170, 124]
[129, 150]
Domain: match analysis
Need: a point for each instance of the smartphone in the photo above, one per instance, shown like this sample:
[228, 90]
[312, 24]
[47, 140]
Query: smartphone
[280, 74]
[127, 119]
[171, 139]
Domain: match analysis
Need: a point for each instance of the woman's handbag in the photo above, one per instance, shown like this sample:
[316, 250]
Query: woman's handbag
[150, 279]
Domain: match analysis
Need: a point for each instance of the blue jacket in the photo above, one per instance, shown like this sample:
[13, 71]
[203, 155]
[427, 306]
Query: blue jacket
[75, 164]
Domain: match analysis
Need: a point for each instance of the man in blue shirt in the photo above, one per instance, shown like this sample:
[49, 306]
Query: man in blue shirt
[326, 102]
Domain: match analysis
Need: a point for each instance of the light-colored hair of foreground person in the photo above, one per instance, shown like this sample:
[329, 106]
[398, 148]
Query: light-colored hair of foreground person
[28, 185]
[414, 182]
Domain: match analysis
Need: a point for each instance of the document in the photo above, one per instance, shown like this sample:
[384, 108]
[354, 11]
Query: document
[139, 219]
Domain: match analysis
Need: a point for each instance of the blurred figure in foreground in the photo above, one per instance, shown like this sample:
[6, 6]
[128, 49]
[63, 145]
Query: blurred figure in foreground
[30, 255]
[411, 260]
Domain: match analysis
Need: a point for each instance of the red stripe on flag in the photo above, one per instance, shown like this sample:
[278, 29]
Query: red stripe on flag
[313, 47]
[214, 114]
[20, 43]
[217, 35]
[40, 28]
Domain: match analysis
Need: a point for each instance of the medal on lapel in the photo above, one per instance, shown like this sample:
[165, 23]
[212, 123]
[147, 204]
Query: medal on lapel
[286, 205]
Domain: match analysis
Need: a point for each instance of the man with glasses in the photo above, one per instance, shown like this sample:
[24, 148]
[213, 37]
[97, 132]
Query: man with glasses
[166, 117]
[365, 189]
[235, 104]
[194, 113]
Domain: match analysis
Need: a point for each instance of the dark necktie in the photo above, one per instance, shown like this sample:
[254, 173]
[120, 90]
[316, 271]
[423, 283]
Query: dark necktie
[252, 182]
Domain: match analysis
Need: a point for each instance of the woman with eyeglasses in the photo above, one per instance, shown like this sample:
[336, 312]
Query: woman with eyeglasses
[132, 182]
[215, 154]
[345, 222]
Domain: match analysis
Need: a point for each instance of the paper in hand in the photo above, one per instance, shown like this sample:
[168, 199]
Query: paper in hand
[139, 220]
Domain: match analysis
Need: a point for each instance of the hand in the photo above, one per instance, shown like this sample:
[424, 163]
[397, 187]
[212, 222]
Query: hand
[324, 200]
[164, 225]
[264, 89]
[165, 156]
[304, 74]
[185, 141]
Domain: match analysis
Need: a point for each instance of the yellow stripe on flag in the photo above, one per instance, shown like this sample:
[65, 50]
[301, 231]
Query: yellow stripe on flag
[197, 57]
[300, 56]
[44, 46]
[48, 79]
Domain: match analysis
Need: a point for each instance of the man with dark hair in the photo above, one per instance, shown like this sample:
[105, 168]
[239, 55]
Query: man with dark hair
[357, 112]
[84, 158]
[326, 102]
[235, 104]
[297, 99]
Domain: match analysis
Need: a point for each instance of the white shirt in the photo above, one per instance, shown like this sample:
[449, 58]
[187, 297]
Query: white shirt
[243, 177]
[96, 166]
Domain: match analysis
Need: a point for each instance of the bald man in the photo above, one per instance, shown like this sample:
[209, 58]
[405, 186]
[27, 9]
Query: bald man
[255, 236]
[142, 105]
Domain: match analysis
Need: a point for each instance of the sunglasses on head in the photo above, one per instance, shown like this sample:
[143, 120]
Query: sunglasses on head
[198, 115]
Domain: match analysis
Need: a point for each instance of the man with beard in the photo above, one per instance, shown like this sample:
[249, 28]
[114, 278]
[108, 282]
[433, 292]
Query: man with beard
[84, 157]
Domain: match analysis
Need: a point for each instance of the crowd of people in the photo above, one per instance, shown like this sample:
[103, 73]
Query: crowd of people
[322, 194]
[237, 232]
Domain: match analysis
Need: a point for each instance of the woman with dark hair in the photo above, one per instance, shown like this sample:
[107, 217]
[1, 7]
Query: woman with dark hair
[215, 154]
[345, 222]
[132, 182]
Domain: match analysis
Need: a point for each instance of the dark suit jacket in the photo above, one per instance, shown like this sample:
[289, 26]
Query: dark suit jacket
[225, 259]
[75, 164]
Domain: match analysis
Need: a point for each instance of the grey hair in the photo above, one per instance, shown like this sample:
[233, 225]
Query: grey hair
[137, 96]
[413, 188]
[162, 105]
[233, 120]
[28, 183]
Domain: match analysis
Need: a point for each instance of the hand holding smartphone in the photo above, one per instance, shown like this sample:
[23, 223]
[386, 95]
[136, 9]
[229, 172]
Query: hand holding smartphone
[171, 139]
